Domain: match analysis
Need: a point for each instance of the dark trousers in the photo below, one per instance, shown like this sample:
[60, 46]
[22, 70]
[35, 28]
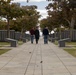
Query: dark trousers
[37, 40]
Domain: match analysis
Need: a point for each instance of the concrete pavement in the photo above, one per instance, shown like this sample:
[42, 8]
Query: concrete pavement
[37, 59]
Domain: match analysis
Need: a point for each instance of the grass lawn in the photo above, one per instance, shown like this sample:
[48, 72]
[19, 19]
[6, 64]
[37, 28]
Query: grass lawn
[71, 51]
[71, 43]
[20, 42]
[7, 43]
[4, 51]
[56, 42]
[67, 43]
[2, 44]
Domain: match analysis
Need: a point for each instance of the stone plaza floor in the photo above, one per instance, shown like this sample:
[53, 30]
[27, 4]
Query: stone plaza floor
[37, 59]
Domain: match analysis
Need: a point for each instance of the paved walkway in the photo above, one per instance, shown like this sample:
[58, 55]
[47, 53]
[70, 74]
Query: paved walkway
[37, 59]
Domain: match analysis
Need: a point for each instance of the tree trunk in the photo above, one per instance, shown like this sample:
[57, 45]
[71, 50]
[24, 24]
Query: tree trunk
[60, 31]
[72, 26]
[8, 29]
[21, 34]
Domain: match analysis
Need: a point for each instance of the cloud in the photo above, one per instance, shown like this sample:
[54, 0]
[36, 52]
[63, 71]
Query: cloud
[28, 0]
[40, 3]
[43, 13]
[36, 0]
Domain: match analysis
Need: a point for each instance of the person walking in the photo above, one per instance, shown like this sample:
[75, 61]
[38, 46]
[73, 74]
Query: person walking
[32, 32]
[37, 34]
[45, 34]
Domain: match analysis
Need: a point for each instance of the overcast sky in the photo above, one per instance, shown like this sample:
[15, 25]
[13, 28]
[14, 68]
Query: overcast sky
[41, 4]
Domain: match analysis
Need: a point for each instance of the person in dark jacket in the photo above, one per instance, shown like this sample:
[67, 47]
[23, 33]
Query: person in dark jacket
[32, 32]
[45, 34]
[37, 34]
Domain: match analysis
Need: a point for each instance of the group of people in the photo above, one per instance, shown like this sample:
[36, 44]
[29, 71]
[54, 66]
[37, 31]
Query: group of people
[34, 32]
